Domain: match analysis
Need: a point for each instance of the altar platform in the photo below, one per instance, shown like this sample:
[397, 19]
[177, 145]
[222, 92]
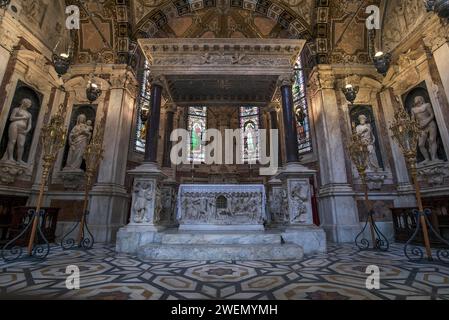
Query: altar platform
[220, 222]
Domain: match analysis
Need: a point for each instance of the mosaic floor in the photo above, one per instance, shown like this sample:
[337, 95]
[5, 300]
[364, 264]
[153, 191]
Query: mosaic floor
[337, 275]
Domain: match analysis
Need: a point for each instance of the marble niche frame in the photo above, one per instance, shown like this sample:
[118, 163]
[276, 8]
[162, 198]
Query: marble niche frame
[31, 68]
[75, 89]
[407, 98]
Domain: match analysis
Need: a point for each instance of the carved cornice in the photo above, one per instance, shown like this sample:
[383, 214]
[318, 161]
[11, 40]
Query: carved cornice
[436, 37]
[221, 56]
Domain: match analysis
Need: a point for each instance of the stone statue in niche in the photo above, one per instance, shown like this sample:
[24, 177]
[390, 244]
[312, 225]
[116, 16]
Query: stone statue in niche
[79, 138]
[423, 113]
[363, 123]
[430, 149]
[365, 130]
[21, 125]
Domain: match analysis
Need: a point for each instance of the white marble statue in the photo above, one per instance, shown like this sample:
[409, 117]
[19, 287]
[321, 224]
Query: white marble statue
[19, 128]
[365, 130]
[423, 113]
[79, 138]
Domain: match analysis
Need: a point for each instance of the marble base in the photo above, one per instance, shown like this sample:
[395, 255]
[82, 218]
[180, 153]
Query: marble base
[131, 238]
[221, 252]
[172, 244]
[209, 227]
[311, 238]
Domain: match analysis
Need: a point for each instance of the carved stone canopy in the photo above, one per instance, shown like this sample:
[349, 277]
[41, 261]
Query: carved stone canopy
[221, 71]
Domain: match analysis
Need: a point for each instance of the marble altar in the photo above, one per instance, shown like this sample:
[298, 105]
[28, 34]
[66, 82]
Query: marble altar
[221, 207]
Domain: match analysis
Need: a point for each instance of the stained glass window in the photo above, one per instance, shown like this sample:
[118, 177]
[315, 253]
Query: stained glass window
[301, 110]
[249, 125]
[143, 104]
[197, 125]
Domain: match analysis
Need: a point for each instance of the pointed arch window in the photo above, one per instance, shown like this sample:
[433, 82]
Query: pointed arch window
[301, 110]
[250, 134]
[197, 125]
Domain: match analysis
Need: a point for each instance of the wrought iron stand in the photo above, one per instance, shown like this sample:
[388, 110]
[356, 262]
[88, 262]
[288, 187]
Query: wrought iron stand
[415, 253]
[11, 252]
[92, 156]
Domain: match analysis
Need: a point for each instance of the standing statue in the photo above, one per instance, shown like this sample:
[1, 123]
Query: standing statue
[79, 138]
[365, 131]
[423, 113]
[19, 128]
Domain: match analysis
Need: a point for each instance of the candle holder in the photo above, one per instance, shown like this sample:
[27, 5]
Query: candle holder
[406, 132]
[92, 156]
[350, 92]
[359, 153]
[52, 140]
[382, 62]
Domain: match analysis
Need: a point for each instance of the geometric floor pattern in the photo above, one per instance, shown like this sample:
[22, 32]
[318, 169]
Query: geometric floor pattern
[336, 275]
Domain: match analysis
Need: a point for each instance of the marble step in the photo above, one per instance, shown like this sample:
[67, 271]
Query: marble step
[230, 238]
[220, 252]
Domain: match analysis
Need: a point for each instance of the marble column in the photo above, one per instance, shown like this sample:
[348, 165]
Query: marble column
[295, 180]
[146, 204]
[337, 204]
[274, 125]
[169, 119]
[153, 123]
[291, 138]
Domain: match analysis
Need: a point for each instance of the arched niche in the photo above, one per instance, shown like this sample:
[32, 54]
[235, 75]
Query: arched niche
[23, 91]
[409, 101]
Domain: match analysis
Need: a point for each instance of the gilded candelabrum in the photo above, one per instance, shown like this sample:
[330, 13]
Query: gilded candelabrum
[406, 132]
[92, 157]
[358, 150]
[53, 136]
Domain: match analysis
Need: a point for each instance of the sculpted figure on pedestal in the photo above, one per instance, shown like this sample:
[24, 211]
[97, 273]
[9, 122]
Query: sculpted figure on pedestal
[20, 126]
[423, 113]
[365, 130]
[79, 138]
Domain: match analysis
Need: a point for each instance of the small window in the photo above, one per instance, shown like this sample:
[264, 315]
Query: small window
[222, 202]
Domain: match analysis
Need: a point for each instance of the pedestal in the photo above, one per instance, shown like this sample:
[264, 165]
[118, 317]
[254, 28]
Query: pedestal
[146, 209]
[301, 230]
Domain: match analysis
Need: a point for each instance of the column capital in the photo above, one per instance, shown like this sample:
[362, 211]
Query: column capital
[170, 107]
[157, 80]
[287, 79]
[322, 77]
[273, 106]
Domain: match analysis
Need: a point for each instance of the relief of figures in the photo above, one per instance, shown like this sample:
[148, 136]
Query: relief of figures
[143, 196]
[240, 208]
[299, 197]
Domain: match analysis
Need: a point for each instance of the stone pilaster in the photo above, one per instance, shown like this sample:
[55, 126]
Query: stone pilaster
[337, 205]
[109, 199]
